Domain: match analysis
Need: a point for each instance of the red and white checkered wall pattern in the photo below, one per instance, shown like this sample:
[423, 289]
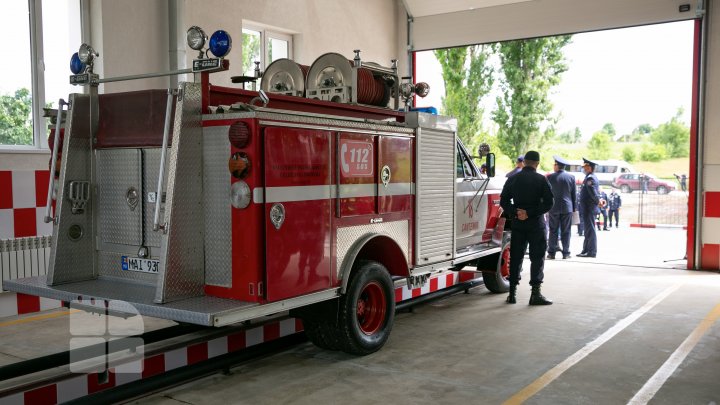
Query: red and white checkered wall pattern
[22, 203]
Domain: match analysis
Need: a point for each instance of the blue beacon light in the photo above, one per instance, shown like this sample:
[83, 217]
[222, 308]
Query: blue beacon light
[220, 43]
[76, 65]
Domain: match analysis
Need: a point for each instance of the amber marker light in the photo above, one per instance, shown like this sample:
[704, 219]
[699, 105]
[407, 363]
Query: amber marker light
[239, 165]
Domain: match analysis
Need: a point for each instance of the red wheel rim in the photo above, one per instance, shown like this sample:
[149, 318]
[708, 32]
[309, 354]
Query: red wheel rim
[371, 308]
[505, 263]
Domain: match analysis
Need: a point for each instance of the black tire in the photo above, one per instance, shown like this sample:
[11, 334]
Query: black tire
[322, 334]
[367, 310]
[625, 188]
[661, 190]
[499, 280]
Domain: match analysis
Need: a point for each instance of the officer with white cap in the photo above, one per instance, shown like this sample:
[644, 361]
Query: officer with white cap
[564, 193]
[589, 199]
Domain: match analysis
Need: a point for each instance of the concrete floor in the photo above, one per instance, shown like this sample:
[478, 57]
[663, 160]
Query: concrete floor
[475, 349]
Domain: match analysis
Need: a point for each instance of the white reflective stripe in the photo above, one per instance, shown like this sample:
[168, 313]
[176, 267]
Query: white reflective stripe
[357, 190]
[711, 230]
[711, 177]
[259, 195]
[310, 193]
[395, 189]
[297, 193]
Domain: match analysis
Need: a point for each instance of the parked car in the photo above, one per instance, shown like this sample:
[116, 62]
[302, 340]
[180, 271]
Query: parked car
[629, 182]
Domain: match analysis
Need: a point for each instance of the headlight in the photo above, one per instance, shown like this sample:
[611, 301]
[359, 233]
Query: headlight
[220, 43]
[87, 54]
[240, 194]
[196, 38]
[76, 65]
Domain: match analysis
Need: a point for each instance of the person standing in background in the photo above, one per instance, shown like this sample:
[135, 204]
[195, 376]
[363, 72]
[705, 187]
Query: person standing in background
[614, 204]
[589, 200]
[525, 199]
[518, 166]
[603, 211]
[565, 203]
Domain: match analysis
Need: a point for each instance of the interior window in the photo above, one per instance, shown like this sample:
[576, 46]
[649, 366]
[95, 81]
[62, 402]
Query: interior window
[263, 45]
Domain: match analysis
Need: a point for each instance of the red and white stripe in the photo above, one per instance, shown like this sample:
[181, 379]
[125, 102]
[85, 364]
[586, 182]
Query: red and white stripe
[710, 239]
[14, 304]
[22, 203]
[435, 283]
[658, 226]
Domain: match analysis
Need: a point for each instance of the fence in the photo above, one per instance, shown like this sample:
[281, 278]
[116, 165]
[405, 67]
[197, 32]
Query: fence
[653, 209]
[24, 257]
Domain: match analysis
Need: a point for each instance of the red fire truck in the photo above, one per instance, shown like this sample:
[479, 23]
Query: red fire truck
[216, 205]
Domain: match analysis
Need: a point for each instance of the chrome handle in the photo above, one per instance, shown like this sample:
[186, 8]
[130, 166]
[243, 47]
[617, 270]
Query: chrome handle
[53, 161]
[161, 175]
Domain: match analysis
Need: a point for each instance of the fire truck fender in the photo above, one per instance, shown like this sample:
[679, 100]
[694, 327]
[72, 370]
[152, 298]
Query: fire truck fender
[376, 247]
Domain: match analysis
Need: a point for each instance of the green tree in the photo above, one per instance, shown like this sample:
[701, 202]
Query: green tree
[674, 135]
[652, 152]
[250, 52]
[15, 118]
[599, 145]
[639, 133]
[609, 129]
[468, 77]
[530, 69]
[571, 136]
[628, 154]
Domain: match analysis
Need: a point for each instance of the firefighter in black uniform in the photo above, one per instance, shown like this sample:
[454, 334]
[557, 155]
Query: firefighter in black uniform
[525, 199]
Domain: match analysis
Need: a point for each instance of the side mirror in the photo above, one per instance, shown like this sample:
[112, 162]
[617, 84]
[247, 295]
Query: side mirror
[490, 164]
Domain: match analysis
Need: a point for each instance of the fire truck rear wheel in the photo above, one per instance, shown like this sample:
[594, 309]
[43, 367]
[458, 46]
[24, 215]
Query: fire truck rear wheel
[499, 281]
[323, 334]
[367, 310]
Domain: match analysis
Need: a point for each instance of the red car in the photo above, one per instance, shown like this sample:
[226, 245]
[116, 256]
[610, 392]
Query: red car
[629, 182]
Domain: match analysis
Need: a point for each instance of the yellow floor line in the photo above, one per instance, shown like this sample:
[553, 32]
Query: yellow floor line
[38, 317]
[651, 387]
[555, 372]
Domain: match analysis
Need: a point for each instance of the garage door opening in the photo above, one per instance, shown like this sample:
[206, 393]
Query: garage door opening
[625, 99]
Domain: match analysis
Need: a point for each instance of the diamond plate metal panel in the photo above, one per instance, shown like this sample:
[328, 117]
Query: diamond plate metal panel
[216, 207]
[397, 231]
[73, 260]
[435, 196]
[110, 265]
[197, 310]
[151, 167]
[118, 172]
[182, 272]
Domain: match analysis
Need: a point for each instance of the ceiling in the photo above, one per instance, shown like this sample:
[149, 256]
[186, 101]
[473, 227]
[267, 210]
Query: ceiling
[424, 8]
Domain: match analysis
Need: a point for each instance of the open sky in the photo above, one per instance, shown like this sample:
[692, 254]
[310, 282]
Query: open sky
[627, 77]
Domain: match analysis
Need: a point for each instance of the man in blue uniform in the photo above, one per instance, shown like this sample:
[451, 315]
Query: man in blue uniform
[525, 198]
[564, 193]
[614, 204]
[518, 167]
[589, 200]
[603, 210]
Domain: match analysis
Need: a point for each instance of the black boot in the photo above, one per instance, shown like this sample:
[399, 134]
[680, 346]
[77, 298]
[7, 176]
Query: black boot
[536, 298]
[511, 296]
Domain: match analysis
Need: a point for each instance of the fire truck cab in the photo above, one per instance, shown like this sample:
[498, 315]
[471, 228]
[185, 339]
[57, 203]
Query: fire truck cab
[216, 205]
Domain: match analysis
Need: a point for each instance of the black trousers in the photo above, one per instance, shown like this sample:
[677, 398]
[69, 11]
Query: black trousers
[604, 214]
[617, 217]
[534, 236]
[561, 223]
[590, 242]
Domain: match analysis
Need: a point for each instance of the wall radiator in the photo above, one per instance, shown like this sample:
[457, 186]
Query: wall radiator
[24, 257]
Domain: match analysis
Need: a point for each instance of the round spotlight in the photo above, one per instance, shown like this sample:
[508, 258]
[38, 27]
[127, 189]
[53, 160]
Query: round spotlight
[239, 165]
[76, 65]
[220, 43]
[196, 37]
[240, 195]
[87, 53]
[239, 134]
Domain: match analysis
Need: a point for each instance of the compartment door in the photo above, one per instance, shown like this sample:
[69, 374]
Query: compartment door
[297, 211]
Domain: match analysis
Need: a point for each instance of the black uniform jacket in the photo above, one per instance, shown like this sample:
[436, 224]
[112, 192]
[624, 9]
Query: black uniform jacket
[530, 191]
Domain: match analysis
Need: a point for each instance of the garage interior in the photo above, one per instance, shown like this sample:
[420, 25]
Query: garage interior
[635, 329]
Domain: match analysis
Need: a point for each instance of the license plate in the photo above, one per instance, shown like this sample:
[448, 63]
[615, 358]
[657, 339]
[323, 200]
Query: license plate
[141, 265]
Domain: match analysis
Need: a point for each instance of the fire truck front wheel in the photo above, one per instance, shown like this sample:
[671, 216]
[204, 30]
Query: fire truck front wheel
[499, 280]
[367, 310]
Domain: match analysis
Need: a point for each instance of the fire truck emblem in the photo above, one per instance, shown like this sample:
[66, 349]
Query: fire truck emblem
[277, 215]
[132, 198]
[385, 175]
